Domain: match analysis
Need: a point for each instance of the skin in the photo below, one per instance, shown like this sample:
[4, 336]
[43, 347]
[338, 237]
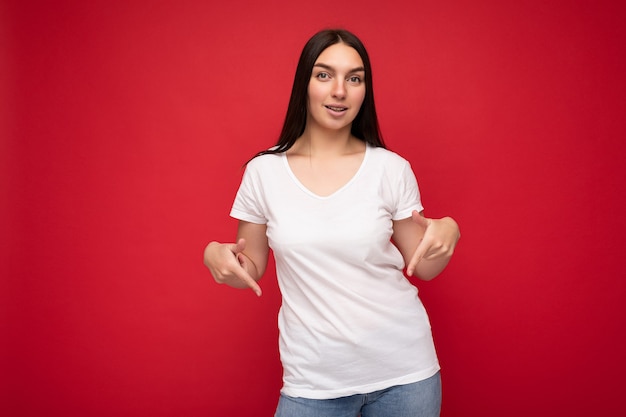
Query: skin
[325, 158]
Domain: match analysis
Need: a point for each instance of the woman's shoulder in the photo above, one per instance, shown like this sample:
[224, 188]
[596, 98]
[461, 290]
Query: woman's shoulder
[387, 156]
[263, 160]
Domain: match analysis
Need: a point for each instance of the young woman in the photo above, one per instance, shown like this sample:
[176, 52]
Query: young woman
[343, 217]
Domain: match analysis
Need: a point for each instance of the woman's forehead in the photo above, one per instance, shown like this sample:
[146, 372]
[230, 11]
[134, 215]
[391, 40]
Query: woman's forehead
[340, 57]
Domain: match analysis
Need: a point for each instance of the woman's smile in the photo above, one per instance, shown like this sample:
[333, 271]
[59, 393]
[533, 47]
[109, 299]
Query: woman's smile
[336, 108]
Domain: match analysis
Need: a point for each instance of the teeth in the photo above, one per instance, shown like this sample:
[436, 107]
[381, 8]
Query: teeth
[336, 108]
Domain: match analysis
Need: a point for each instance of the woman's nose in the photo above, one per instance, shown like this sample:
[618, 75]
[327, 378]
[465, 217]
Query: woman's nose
[339, 89]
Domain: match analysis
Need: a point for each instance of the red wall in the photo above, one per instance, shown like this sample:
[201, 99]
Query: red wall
[124, 129]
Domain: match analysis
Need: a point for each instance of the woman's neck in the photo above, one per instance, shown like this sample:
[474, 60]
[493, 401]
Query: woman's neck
[323, 143]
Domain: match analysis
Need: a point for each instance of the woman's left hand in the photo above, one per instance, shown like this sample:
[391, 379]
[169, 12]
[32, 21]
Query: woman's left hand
[439, 240]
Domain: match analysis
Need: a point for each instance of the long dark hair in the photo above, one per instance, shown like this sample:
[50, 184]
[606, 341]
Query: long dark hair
[365, 125]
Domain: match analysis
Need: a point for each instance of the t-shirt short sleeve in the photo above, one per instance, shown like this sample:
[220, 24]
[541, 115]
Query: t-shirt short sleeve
[408, 197]
[248, 203]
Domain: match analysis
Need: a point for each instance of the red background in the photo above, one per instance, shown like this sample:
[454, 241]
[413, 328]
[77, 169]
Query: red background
[124, 128]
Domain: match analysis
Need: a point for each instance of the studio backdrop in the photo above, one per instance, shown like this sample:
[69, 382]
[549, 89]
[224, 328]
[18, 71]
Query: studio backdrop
[125, 126]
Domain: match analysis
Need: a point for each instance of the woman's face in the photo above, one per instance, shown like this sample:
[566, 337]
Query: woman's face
[336, 88]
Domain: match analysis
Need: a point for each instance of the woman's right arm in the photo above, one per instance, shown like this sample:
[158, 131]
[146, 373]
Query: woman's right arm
[243, 263]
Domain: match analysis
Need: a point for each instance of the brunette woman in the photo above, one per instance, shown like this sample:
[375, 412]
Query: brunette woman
[344, 218]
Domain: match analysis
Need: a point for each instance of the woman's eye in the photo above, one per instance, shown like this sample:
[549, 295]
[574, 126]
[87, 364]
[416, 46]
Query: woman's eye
[323, 76]
[355, 79]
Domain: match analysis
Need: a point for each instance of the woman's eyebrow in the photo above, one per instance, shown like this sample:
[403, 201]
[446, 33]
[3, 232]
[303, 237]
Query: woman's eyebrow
[329, 68]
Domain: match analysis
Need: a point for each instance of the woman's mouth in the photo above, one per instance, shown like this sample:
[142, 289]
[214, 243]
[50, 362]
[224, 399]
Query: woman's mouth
[336, 108]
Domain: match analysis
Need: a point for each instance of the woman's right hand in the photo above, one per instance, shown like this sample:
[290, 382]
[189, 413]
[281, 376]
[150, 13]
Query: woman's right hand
[230, 266]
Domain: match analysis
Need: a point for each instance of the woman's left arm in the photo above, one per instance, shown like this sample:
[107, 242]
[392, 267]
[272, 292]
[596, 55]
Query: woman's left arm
[426, 244]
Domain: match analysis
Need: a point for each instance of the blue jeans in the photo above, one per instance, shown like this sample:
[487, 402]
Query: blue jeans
[420, 399]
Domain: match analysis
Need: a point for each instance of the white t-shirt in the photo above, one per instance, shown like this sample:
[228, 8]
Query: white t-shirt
[350, 322]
